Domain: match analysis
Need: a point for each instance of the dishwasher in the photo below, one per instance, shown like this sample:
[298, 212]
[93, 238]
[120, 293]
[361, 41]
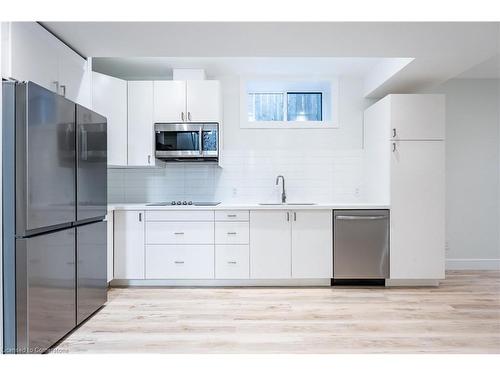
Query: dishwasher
[360, 247]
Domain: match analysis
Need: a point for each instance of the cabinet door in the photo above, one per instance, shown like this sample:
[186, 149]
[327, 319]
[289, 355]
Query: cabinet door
[270, 244]
[203, 101]
[74, 77]
[180, 262]
[129, 245]
[33, 54]
[417, 210]
[170, 101]
[110, 245]
[140, 123]
[312, 248]
[417, 116]
[109, 98]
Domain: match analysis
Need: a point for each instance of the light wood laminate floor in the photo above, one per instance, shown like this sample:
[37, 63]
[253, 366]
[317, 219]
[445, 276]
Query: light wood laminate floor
[460, 316]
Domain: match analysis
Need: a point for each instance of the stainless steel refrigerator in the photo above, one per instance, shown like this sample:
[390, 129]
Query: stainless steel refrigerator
[54, 203]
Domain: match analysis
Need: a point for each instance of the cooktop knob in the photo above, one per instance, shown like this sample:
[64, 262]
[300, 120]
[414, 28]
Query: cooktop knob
[190, 202]
[179, 202]
[185, 203]
[173, 203]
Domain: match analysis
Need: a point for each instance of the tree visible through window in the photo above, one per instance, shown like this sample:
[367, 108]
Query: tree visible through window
[285, 106]
[304, 106]
[265, 106]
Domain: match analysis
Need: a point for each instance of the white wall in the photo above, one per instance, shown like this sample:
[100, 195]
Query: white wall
[472, 173]
[320, 165]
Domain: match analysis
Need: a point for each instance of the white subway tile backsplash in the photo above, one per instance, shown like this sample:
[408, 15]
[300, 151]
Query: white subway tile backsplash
[247, 176]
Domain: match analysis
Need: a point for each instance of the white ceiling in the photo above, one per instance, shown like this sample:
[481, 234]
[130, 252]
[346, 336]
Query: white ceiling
[441, 50]
[161, 67]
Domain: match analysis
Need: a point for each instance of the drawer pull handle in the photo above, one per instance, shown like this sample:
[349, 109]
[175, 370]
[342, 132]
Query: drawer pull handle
[232, 215]
[231, 262]
[178, 232]
[179, 262]
[231, 233]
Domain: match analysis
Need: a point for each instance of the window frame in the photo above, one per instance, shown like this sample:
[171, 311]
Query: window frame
[332, 123]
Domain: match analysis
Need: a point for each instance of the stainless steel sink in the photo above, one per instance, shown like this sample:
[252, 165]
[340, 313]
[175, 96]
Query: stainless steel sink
[287, 204]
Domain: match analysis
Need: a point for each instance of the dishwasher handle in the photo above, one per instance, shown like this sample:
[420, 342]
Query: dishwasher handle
[361, 217]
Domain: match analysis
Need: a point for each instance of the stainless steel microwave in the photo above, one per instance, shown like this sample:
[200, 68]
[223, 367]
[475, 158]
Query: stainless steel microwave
[187, 142]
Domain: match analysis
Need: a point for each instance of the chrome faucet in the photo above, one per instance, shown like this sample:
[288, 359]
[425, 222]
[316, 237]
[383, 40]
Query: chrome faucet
[283, 194]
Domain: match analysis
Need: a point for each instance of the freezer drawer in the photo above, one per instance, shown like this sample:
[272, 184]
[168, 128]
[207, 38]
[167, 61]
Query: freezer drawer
[45, 289]
[91, 269]
[361, 244]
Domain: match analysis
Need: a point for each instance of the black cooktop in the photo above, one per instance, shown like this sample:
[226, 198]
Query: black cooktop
[183, 203]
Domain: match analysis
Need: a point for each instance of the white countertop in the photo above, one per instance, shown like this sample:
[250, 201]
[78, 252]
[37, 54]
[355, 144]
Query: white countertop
[249, 206]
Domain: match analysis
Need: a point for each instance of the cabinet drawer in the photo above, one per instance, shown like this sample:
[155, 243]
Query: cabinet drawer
[179, 262]
[231, 215]
[186, 215]
[231, 233]
[232, 262]
[179, 232]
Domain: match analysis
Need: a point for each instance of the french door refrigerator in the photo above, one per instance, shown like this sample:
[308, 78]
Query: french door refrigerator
[54, 202]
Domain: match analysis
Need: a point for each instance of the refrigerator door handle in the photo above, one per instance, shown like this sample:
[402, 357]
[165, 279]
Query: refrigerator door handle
[84, 142]
[360, 217]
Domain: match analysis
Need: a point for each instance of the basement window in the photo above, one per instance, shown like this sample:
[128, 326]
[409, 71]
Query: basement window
[288, 104]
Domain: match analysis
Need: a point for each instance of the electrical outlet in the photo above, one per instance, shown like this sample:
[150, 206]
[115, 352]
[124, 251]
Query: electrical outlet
[446, 247]
[235, 191]
[356, 192]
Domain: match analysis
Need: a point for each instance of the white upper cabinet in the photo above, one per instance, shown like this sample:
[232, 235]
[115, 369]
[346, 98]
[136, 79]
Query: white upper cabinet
[187, 101]
[417, 116]
[109, 98]
[417, 210]
[140, 123]
[203, 101]
[312, 244]
[31, 53]
[75, 81]
[170, 101]
[270, 244]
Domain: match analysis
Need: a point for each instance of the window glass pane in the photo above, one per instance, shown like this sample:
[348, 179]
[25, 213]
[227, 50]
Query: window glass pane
[265, 107]
[304, 106]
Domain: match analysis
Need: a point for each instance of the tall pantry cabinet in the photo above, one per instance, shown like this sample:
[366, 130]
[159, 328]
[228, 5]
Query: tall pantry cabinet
[405, 167]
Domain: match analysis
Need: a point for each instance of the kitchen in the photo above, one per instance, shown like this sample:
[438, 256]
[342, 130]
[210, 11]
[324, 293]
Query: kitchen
[246, 180]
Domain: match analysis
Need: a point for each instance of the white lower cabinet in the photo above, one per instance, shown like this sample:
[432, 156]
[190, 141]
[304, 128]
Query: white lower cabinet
[225, 245]
[129, 245]
[270, 244]
[417, 214]
[110, 247]
[231, 232]
[183, 232]
[179, 261]
[291, 244]
[232, 262]
[312, 244]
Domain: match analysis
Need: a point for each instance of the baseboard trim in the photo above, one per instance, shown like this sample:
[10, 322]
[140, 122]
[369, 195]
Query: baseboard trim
[222, 283]
[411, 282]
[473, 264]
